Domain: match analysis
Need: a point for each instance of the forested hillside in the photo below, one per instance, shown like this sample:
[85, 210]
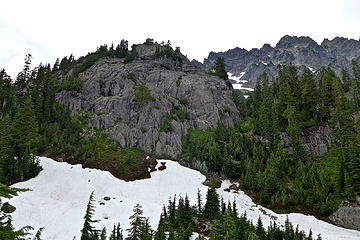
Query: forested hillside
[252, 151]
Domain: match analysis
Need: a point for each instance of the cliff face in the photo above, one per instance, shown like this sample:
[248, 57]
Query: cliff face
[316, 140]
[151, 101]
[348, 215]
[300, 51]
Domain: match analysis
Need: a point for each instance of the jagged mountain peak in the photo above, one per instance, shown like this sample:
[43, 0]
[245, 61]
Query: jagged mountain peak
[301, 51]
[291, 41]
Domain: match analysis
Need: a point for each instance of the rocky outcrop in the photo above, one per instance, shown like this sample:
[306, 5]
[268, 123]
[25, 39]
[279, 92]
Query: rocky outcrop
[300, 51]
[348, 215]
[316, 140]
[8, 208]
[172, 96]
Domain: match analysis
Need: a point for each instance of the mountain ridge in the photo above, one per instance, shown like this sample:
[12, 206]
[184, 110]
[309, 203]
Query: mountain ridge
[302, 51]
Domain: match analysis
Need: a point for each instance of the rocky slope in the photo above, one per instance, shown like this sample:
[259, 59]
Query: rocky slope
[301, 51]
[316, 140]
[348, 215]
[151, 101]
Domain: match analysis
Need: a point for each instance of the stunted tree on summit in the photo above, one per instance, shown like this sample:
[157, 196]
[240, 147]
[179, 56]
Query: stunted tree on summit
[219, 68]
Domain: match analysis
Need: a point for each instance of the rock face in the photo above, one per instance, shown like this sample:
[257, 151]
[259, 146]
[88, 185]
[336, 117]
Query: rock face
[300, 51]
[348, 216]
[166, 86]
[316, 140]
[8, 208]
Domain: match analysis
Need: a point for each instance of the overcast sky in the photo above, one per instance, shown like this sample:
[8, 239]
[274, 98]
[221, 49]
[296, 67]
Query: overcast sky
[54, 29]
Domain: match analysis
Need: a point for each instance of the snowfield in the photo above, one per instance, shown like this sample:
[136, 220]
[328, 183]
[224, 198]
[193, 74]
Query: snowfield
[60, 193]
[239, 82]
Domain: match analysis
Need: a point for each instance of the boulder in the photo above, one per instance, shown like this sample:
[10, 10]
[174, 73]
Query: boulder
[8, 208]
[347, 216]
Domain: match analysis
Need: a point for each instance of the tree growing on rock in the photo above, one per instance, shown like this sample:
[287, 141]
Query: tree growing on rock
[219, 69]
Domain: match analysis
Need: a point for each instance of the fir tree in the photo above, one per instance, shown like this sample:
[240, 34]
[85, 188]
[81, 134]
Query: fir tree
[199, 202]
[146, 231]
[25, 129]
[116, 233]
[7, 230]
[219, 68]
[88, 232]
[23, 78]
[137, 222]
[212, 205]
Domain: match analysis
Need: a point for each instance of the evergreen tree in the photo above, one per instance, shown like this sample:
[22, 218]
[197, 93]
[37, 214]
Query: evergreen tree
[326, 98]
[212, 205]
[199, 202]
[260, 231]
[308, 96]
[23, 78]
[160, 233]
[116, 233]
[103, 234]
[346, 80]
[25, 129]
[6, 150]
[6, 94]
[146, 232]
[219, 68]
[137, 222]
[234, 208]
[88, 232]
[7, 231]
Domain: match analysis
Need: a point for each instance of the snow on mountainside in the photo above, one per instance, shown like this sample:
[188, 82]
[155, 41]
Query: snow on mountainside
[239, 82]
[59, 195]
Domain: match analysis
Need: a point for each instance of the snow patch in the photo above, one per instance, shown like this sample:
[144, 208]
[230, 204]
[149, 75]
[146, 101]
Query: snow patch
[61, 191]
[239, 83]
[311, 69]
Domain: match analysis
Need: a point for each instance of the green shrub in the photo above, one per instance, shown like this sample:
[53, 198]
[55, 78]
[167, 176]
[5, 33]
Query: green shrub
[180, 113]
[184, 101]
[142, 95]
[165, 125]
[101, 113]
[71, 83]
[227, 109]
[129, 57]
[131, 76]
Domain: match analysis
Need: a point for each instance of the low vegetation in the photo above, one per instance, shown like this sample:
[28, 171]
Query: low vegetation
[142, 95]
